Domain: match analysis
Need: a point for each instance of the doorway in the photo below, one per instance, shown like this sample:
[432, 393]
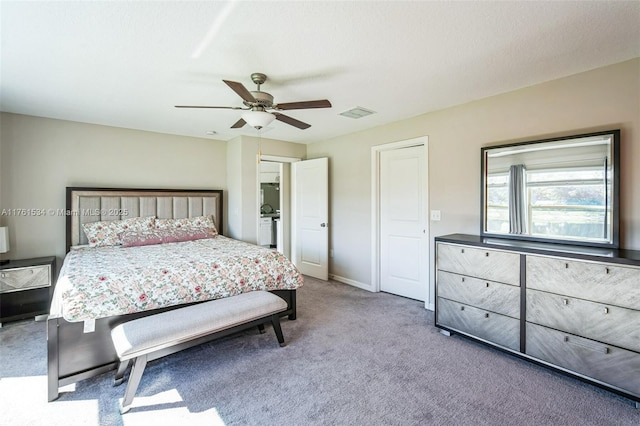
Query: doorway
[302, 232]
[271, 200]
[282, 228]
[400, 254]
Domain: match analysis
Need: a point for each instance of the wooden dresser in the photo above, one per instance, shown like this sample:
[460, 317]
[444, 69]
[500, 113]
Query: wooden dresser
[574, 309]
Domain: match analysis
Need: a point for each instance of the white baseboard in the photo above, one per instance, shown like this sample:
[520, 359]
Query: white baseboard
[428, 306]
[351, 282]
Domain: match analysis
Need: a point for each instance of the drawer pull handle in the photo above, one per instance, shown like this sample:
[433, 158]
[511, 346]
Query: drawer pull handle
[606, 310]
[606, 270]
[565, 301]
[487, 285]
[3, 276]
[487, 254]
[566, 266]
[462, 279]
[486, 315]
[462, 308]
[461, 250]
[586, 345]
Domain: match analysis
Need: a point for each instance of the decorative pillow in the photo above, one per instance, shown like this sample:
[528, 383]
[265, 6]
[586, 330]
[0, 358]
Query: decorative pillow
[187, 234]
[189, 222]
[161, 236]
[106, 233]
[141, 238]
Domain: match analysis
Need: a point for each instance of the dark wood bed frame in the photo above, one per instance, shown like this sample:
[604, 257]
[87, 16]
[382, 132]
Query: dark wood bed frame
[74, 355]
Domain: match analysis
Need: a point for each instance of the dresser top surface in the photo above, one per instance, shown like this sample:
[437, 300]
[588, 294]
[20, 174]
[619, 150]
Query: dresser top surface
[629, 257]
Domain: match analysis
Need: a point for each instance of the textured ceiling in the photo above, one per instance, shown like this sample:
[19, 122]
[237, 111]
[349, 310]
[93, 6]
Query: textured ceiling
[127, 64]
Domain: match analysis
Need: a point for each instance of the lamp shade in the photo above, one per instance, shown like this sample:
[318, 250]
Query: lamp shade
[258, 119]
[4, 239]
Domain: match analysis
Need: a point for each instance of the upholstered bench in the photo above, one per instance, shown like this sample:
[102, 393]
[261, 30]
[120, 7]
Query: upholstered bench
[155, 336]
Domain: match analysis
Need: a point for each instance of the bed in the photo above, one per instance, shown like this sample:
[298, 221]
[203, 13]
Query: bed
[100, 287]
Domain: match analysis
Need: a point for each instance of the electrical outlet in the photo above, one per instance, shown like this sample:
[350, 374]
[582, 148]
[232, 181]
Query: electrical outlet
[435, 214]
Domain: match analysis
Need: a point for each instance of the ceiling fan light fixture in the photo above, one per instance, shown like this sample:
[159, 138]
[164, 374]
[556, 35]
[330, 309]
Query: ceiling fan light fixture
[258, 119]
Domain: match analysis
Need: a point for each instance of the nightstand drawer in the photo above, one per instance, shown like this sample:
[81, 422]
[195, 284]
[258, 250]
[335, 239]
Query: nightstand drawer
[19, 279]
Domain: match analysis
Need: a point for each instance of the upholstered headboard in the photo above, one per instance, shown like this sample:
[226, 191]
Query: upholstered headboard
[86, 205]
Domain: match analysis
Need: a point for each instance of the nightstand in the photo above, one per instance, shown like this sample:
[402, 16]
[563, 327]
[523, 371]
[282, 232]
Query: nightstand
[26, 287]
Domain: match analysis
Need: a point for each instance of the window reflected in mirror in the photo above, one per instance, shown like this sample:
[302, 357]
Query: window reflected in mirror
[559, 190]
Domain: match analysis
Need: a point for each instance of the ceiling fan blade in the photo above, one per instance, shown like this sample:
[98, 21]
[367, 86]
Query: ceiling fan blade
[205, 106]
[292, 121]
[323, 103]
[239, 124]
[240, 90]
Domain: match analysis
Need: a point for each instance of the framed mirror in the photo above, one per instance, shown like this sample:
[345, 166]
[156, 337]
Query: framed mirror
[562, 190]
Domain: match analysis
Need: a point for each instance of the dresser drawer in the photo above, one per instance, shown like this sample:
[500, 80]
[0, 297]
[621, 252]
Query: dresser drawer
[25, 278]
[491, 265]
[495, 328]
[608, 364]
[605, 323]
[490, 295]
[600, 282]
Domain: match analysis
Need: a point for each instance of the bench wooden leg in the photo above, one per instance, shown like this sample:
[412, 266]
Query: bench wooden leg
[275, 321]
[134, 380]
[122, 368]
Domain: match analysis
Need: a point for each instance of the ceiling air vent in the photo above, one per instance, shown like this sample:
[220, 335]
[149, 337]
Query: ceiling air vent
[357, 112]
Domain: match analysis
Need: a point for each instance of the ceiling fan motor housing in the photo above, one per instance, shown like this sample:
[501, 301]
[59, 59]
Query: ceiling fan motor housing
[263, 99]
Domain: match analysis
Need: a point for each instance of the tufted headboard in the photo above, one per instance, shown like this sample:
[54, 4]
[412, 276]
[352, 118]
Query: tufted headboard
[86, 205]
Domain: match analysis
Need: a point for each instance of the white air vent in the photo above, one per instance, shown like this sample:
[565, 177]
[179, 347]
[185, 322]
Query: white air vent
[357, 112]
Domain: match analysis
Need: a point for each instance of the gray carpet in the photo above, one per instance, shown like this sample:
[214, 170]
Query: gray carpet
[353, 358]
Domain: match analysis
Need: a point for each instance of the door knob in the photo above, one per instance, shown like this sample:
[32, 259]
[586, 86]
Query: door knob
[323, 225]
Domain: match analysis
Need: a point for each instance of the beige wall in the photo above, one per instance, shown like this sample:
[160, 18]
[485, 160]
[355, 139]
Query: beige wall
[40, 157]
[600, 99]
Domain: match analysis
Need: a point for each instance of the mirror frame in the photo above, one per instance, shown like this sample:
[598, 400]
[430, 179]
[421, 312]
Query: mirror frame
[615, 192]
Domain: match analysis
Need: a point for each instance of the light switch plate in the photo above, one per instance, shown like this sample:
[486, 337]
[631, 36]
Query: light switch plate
[435, 214]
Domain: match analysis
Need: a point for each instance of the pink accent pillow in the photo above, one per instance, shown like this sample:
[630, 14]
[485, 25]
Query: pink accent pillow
[140, 238]
[199, 222]
[162, 236]
[106, 233]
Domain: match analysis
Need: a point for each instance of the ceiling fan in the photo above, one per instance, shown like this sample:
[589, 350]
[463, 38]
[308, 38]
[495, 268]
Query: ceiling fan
[259, 106]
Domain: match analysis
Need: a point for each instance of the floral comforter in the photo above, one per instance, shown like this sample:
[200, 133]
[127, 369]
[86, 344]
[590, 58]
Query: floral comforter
[105, 281]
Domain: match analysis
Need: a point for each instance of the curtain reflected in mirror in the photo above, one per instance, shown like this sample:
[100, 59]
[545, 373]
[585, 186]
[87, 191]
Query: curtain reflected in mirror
[517, 199]
[562, 190]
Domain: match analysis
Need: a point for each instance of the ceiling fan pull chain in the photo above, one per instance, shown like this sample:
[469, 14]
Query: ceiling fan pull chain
[259, 144]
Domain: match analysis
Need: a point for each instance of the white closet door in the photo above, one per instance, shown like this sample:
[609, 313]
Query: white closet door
[404, 264]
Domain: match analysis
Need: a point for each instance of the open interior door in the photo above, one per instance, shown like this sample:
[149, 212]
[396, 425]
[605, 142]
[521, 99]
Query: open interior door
[310, 214]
